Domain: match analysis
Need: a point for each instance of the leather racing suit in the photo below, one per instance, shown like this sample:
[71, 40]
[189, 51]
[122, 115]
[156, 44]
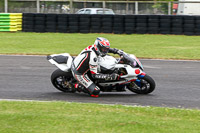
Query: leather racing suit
[86, 61]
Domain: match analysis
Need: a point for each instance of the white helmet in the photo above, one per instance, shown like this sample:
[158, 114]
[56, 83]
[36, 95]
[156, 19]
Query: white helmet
[102, 46]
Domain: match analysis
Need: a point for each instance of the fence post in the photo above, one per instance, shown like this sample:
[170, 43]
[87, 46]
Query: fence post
[136, 7]
[85, 4]
[38, 6]
[71, 6]
[6, 6]
[169, 8]
[104, 6]
[127, 6]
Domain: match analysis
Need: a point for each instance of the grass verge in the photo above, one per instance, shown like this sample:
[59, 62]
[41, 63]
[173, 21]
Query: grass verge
[146, 46]
[64, 117]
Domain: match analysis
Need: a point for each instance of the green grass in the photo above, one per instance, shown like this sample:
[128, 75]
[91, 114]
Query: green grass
[146, 46]
[64, 117]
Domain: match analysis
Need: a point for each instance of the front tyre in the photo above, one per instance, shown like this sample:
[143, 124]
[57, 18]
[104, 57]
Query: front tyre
[145, 85]
[61, 81]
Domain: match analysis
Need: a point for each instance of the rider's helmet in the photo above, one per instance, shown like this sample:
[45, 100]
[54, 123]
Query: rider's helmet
[102, 46]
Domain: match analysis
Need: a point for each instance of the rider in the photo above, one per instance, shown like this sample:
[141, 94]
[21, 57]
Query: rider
[87, 60]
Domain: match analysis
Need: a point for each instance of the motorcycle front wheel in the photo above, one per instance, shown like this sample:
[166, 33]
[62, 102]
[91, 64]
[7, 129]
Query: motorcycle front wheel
[145, 85]
[61, 81]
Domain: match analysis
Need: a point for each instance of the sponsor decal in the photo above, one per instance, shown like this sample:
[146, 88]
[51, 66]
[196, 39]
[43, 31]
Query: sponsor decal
[95, 59]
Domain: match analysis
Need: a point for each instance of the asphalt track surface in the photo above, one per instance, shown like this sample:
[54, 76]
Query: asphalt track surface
[28, 78]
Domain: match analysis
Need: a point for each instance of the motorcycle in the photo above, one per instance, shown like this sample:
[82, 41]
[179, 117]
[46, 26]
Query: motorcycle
[130, 70]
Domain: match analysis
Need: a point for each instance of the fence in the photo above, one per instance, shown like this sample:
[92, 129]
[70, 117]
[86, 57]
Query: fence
[71, 6]
[117, 24]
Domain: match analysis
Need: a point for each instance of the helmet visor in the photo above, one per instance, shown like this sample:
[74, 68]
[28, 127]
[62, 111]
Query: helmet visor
[104, 50]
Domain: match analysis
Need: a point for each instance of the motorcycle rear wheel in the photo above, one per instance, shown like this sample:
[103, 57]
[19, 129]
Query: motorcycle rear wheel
[60, 81]
[147, 85]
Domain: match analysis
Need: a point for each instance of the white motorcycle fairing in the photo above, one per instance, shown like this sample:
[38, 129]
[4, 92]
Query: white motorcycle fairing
[111, 63]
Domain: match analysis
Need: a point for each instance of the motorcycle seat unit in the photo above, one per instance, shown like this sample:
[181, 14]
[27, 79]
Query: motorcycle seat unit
[60, 59]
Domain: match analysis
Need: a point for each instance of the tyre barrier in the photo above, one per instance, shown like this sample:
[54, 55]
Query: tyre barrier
[117, 24]
[10, 22]
[96, 23]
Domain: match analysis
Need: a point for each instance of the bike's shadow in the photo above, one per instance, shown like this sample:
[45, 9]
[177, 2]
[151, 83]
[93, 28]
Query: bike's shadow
[60, 95]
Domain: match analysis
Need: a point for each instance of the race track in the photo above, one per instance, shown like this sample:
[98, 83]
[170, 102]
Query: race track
[28, 78]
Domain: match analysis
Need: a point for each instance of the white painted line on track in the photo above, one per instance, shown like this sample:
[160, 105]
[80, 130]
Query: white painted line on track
[128, 106]
[18, 100]
[23, 100]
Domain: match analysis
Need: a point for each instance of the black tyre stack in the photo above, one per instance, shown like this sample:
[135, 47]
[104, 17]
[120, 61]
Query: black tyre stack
[62, 23]
[28, 22]
[107, 23]
[189, 25]
[84, 23]
[197, 25]
[40, 22]
[165, 24]
[153, 24]
[177, 25]
[73, 23]
[51, 23]
[129, 24]
[118, 24]
[95, 25]
[141, 24]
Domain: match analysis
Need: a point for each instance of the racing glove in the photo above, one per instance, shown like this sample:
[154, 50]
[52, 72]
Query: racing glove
[116, 51]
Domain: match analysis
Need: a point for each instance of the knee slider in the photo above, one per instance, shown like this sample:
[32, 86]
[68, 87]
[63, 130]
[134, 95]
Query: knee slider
[96, 91]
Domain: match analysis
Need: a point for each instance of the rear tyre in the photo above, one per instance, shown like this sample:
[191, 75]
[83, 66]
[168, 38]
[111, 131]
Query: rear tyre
[61, 81]
[146, 85]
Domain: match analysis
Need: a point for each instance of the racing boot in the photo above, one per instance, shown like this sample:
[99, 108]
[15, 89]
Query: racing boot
[80, 88]
[94, 95]
[95, 92]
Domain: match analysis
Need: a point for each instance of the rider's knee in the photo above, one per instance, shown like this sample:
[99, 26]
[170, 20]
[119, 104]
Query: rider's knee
[94, 90]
